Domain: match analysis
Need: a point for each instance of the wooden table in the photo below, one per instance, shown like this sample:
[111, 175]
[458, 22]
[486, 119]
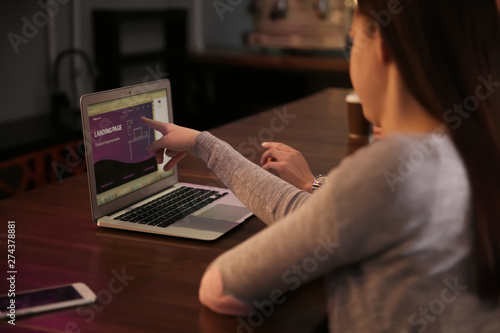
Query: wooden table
[157, 291]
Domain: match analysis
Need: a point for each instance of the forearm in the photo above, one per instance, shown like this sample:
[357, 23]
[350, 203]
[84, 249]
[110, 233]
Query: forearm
[271, 263]
[267, 196]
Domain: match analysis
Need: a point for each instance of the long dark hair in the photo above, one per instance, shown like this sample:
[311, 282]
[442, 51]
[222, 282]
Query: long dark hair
[448, 53]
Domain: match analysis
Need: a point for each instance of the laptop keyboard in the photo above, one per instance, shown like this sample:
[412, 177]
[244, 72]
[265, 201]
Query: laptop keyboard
[171, 207]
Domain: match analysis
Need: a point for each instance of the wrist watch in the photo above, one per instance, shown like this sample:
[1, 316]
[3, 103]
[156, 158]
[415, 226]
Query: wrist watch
[319, 181]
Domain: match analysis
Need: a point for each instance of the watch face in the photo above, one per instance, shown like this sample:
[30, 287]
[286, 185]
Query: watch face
[319, 181]
[322, 179]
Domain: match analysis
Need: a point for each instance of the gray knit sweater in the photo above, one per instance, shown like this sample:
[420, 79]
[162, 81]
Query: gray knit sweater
[390, 233]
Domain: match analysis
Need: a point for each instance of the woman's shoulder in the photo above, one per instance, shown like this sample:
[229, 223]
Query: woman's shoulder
[405, 161]
[417, 148]
[400, 183]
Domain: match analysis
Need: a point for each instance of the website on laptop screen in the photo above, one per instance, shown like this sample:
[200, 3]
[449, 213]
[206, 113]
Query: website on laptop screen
[119, 139]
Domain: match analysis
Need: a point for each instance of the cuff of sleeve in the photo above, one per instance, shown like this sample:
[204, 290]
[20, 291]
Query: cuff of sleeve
[211, 295]
[202, 144]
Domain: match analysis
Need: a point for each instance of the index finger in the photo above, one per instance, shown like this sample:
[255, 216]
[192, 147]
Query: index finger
[155, 124]
[277, 145]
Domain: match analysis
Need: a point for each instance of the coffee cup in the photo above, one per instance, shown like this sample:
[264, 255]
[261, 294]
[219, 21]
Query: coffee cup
[358, 126]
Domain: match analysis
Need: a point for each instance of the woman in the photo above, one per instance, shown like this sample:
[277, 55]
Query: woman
[403, 247]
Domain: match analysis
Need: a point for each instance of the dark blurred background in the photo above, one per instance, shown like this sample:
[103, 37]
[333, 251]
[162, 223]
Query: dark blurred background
[225, 59]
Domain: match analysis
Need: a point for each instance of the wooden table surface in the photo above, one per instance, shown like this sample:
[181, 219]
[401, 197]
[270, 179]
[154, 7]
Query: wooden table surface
[149, 283]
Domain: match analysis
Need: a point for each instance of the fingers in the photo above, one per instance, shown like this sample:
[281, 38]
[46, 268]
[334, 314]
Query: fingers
[161, 127]
[171, 153]
[174, 138]
[159, 144]
[274, 151]
[174, 160]
[266, 156]
[273, 154]
[159, 156]
[175, 157]
[277, 145]
[271, 165]
[155, 124]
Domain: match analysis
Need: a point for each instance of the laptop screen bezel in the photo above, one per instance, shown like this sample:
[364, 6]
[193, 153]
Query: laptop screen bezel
[99, 211]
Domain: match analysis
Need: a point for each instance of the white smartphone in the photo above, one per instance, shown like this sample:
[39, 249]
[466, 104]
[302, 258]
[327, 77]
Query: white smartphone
[46, 299]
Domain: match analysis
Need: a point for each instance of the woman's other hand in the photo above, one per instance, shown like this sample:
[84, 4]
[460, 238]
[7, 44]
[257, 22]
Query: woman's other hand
[289, 163]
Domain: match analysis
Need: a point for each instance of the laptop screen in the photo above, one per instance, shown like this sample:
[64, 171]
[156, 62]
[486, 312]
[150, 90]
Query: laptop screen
[122, 164]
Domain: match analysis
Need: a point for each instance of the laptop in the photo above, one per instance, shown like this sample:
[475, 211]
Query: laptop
[128, 189]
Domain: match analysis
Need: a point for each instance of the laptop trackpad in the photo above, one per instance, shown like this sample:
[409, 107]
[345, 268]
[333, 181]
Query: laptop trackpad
[220, 218]
[225, 213]
[204, 224]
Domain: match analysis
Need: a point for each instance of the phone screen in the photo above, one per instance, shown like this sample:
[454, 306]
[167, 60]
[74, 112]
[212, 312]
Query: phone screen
[41, 297]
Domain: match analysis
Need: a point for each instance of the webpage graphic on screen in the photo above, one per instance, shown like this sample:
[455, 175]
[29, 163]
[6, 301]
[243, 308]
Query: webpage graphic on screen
[119, 146]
